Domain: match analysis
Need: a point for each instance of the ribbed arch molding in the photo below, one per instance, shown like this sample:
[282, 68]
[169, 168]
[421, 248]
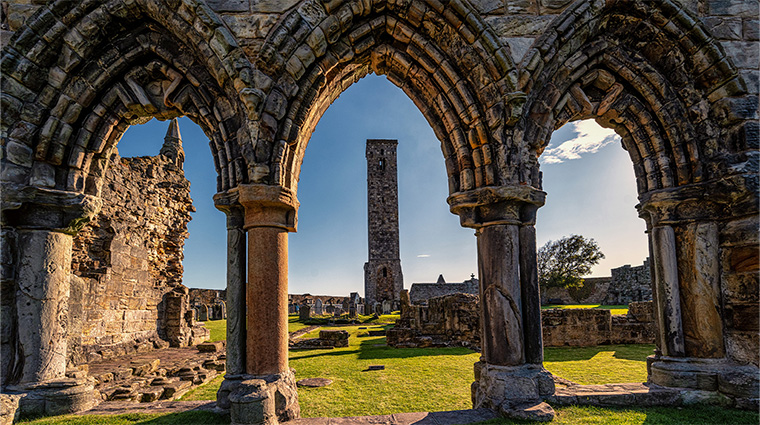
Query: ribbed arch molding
[82, 72]
[649, 70]
[443, 57]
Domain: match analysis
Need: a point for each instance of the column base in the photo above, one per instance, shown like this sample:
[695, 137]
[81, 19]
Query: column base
[267, 399]
[52, 398]
[513, 390]
[739, 382]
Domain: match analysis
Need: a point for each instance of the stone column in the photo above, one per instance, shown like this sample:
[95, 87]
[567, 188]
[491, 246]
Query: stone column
[700, 292]
[236, 292]
[266, 391]
[44, 221]
[668, 296]
[42, 303]
[510, 376]
[686, 259]
[532, 329]
[501, 296]
[267, 294]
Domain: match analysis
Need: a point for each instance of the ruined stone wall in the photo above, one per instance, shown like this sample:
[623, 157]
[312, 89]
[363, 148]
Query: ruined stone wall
[630, 284]
[206, 296]
[419, 293]
[454, 320]
[626, 285]
[594, 291]
[588, 327]
[127, 261]
[449, 320]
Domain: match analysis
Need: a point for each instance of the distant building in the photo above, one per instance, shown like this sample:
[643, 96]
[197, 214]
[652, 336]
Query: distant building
[421, 292]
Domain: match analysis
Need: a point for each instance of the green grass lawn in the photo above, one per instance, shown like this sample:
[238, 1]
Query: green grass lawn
[218, 328]
[614, 309]
[432, 379]
[604, 364]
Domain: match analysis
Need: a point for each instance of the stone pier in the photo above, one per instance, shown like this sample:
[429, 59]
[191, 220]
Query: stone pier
[690, 307]
[510, 376]
[259, 387]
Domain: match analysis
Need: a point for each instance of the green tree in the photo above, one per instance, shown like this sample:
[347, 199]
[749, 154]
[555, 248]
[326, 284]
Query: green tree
[561, 263]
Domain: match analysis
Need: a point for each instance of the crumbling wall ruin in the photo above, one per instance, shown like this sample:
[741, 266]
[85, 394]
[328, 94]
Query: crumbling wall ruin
[449, 320]
[126, 284]
[454, 320]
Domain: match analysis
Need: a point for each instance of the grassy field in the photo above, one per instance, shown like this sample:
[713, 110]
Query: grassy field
[218, 328]
[614, 309]
[432, 379]
[435, 379]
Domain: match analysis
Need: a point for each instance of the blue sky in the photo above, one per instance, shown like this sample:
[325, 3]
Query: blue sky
[588, 177]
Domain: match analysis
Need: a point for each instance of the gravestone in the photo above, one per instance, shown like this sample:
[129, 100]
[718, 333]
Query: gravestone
[387, 307]
[304, 312]
[318, 307]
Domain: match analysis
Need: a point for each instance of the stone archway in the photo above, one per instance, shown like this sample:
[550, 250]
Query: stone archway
[257, 81]
[673, 100]
[73, 80]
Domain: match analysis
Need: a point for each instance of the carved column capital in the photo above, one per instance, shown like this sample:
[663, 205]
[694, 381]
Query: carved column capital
[491, 205]
[708, 201]
[262, 205]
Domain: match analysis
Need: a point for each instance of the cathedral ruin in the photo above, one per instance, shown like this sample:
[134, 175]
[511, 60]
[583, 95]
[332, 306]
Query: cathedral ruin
[676, 79]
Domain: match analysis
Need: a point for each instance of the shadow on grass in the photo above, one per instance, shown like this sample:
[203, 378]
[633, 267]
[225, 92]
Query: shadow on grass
[636, 352]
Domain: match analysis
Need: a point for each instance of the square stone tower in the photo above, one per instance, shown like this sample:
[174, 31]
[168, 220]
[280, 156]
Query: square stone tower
[383, 280]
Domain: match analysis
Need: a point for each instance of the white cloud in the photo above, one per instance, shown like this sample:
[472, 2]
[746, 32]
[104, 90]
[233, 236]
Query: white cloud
[423, 256]
[590, 138]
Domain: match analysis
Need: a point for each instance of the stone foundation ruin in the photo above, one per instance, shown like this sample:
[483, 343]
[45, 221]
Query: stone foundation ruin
[454, 320]
[676, 79]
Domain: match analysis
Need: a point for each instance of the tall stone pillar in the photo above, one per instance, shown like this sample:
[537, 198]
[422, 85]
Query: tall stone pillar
[44, 223]
[264, 390]
[236, 292]
[42, 298]
[510, 375]
[686, 255]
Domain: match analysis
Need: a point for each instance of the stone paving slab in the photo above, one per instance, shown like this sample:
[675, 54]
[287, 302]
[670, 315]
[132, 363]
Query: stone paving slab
[164, 406]
[456, 417]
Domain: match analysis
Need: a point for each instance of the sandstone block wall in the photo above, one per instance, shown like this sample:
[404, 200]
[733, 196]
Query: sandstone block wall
[625, 285]
[454, 320]
[127, 261]
[449, 320]
[588, 327]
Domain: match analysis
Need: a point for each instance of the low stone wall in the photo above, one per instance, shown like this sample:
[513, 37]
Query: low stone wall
[449, 320]
[454, 320]
[588, 327]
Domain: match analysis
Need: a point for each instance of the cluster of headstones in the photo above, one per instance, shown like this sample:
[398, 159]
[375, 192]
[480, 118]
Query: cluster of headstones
[215, 311]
